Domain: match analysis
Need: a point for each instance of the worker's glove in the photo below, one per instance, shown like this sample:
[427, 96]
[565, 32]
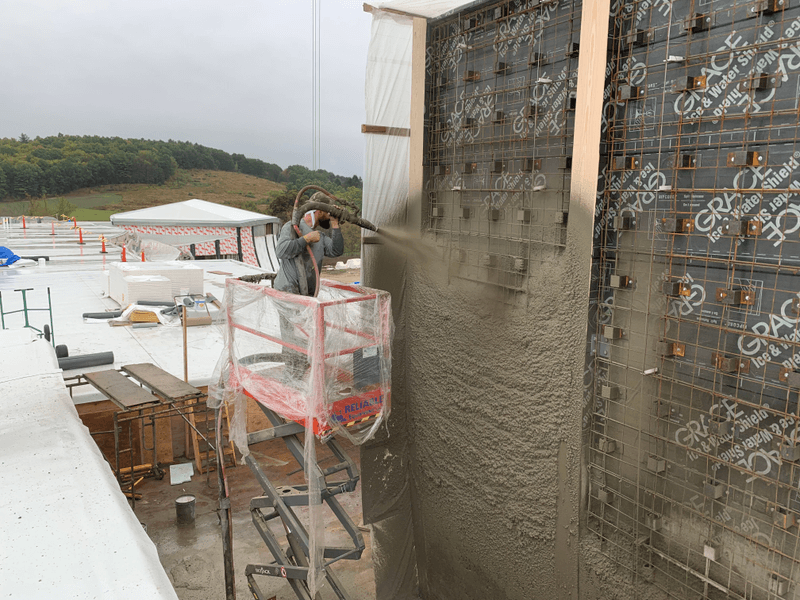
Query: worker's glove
[311, 237]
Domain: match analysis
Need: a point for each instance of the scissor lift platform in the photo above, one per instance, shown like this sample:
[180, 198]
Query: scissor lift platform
[278, 502]
[318, 367]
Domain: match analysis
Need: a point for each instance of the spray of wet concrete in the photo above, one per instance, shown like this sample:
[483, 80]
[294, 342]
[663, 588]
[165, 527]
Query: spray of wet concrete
[480, 468]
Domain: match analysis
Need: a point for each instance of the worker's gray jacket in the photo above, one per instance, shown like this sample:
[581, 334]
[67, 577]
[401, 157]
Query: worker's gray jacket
[290, 247]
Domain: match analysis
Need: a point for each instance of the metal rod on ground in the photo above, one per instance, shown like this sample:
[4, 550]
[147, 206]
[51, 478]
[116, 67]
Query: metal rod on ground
[25, 304]
[50, 310]
[225, 517]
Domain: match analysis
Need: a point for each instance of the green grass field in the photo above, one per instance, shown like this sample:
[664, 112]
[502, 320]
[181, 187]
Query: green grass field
[91, 214]
[21, 207]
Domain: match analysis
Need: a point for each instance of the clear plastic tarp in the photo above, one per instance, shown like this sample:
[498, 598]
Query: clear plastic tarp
[425, 8]
[388, 97]
[324, 362]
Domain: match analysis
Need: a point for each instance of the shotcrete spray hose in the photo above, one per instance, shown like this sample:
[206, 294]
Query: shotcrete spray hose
[335, 211]
[296, 216]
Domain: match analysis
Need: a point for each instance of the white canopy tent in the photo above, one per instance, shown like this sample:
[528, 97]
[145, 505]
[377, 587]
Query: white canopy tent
[192, 213]
[208, 230]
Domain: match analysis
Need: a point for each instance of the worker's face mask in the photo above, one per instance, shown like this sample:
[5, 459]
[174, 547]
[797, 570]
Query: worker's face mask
[324, 220]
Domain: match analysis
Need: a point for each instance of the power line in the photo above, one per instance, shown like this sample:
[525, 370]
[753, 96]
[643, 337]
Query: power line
[316, 81]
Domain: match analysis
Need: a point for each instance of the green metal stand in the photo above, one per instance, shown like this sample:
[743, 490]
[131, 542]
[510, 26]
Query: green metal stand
[47, 331]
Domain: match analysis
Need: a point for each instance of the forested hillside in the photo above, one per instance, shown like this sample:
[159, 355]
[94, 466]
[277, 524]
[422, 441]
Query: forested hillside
[57, 165]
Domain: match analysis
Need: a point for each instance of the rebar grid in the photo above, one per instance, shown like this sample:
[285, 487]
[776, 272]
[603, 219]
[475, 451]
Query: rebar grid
[695, 418]
[500, 87]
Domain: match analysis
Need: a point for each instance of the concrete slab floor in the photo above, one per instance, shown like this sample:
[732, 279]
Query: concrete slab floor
[192, 554]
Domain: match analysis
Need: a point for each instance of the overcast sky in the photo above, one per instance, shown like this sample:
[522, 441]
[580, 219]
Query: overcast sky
[229, 74]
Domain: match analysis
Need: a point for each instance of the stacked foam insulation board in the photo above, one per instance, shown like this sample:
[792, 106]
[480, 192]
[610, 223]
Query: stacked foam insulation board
[157, 281]
[145, 287]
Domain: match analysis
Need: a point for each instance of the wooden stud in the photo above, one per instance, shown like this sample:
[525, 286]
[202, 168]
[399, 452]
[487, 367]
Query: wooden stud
[400, 131]
[369, 8]
[416, 181]
[582, 199]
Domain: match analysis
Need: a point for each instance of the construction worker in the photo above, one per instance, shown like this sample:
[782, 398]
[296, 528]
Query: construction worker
[320, 232]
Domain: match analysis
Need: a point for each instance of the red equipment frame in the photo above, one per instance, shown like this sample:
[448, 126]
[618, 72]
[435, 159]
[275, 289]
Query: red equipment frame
[350, 411]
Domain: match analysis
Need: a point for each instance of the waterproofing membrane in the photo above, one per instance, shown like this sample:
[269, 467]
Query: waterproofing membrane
[67, 529]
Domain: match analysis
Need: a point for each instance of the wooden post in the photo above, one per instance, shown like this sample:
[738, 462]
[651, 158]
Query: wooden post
[416, 182]
[588, 116]
[583, 194]
[185, 351]
[225, 516]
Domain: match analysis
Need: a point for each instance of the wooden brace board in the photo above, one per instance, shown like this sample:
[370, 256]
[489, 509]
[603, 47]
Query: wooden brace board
[169, 387]
[119, 389]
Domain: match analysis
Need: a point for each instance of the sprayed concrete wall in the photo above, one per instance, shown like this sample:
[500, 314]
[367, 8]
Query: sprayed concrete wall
[693, 459]
[475, 491]
[690, 383]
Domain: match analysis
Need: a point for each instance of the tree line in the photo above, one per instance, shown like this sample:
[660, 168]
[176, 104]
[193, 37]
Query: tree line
[56, 165]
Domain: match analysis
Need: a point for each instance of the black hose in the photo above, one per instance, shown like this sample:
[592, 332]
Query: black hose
[334, 211]
[154, 303]
[257, 278]
[264, 357]
[86, 360]
[103, 315]
[296, 210]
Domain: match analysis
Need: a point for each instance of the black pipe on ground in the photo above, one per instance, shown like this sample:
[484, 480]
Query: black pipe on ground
[103, 315]
[86, 360]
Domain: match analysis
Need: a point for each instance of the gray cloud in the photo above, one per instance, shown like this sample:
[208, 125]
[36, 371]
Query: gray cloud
[234, 75]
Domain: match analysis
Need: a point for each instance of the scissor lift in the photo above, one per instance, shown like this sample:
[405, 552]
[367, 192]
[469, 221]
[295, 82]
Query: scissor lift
[354, 391]
[279, 502]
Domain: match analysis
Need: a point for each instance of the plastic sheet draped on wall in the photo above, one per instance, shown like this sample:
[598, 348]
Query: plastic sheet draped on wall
[388, 103]
[426, 8]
